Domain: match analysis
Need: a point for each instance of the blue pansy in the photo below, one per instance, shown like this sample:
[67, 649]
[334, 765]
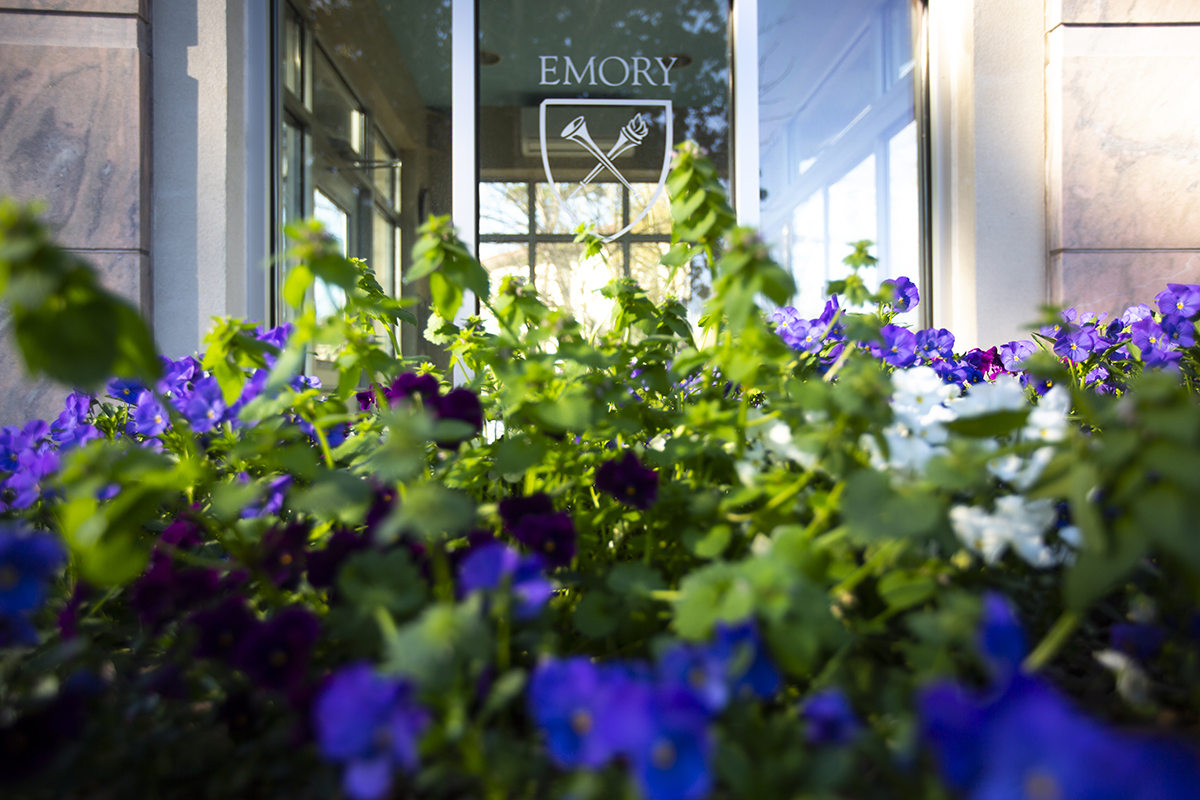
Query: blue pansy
[672, 761]
[488, 566]
[370, 723]
[27, 561]
[829, 718]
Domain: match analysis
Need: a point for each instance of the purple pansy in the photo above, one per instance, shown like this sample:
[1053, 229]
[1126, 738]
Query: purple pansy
[223, 629]
[628, 481]
[1075, 344]
[829, 718]
[275, 654]
[935, 344]
[149, 417]
[898, 346]
[205, 408]
[904, 294]
[411, 385]
[488, 566]
[27, 562]
[371, 724]
[28, 482]
[1013, 353]
[551, 535]
[1178, 330]
[324, 564]
[1179, 298]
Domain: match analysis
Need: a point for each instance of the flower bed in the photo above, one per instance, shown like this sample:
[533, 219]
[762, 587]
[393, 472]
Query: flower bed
[776, 557]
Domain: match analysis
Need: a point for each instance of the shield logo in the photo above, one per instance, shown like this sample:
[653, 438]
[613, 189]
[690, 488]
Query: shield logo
[595, 140]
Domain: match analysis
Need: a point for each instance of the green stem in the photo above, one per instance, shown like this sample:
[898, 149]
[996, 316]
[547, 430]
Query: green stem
[324, 442]
[1053, 641]
[841, 360]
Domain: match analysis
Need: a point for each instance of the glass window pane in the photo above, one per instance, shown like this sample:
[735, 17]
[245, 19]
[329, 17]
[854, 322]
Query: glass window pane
[564, 279]
[329, 298]
[658, 220]
[383, 246]
[293, 53]
[292, 173]
[597, 205]
[585, 103]
[385, 174]
[504, 208]
[651, 275]
[336, 110]
[838, 150]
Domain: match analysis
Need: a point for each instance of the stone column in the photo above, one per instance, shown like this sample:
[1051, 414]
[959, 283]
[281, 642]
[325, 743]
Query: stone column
[74, 133]
[1123, 149]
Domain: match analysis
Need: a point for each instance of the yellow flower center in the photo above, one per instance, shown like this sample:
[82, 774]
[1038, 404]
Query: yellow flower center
[663, 755]
[581, 722]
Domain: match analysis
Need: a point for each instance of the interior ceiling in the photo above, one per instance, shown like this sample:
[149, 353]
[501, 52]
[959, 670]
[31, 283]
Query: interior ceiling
[521, 30]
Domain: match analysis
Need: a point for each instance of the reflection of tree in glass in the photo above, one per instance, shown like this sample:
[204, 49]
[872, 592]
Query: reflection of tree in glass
[565, 281]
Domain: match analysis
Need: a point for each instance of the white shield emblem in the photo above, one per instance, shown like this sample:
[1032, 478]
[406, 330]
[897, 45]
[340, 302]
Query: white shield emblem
[570, 134]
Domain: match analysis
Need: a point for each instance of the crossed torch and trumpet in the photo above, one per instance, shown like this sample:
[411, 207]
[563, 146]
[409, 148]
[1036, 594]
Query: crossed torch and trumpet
[632, 135]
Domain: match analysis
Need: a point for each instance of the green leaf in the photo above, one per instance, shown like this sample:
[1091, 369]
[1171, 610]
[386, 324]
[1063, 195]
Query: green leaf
[430, 510]
[370, 581]
[902, 589]
[295, 288]
[635, 578]
[518, 452]
[334, 494]
[593, 617]
[445, 295]
[998, 423]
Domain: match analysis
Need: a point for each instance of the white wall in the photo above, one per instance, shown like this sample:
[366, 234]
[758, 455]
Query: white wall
[208, 233]
[988, 108]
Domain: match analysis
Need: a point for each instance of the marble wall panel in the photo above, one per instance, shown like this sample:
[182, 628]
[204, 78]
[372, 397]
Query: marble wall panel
[71, 134]
[22, 397]
[1114, 280]
[1121, 11]
[1121, 105]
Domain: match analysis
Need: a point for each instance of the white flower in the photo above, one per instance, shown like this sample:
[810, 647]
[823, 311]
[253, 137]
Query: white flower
[1048, 420]
[1017, 523]
[919, 390]
[906, 450]
[1021, 473]
[1005, 394]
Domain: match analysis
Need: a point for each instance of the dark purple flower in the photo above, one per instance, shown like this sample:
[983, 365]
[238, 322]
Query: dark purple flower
[182, 533]
[285, 547]
[628, 481]
[1140, 640]
[830, 718]
[29, 743]
[239, 713]
[935, 344]
[898, 346]
[1179, 298]
[382, 505]
[370, 723]
[551, 535]
[988, 362]
[223, 629]
[1014, 353]
[672, 761]
[488, 566]
[68, 618]
[27, 562]
[512, 509]
[324, 564]
[275, 654]
[904, 293]
[462, 405]
[1178, 330]
[411, 385]
[164, 591]
[205, 408]
[149, 417]
[366, 398]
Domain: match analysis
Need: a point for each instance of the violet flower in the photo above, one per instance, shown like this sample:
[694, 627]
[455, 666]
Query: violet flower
[371, 724]
[551, 535]
[904, 294]
[488, 566]
[223, 629]
[275, 654]
[27, 562]
[628, 481]
[830, 718]
[898, 346]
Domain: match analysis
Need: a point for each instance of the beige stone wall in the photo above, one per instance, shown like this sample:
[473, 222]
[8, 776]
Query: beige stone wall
[74, 128]
[1123, 149]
